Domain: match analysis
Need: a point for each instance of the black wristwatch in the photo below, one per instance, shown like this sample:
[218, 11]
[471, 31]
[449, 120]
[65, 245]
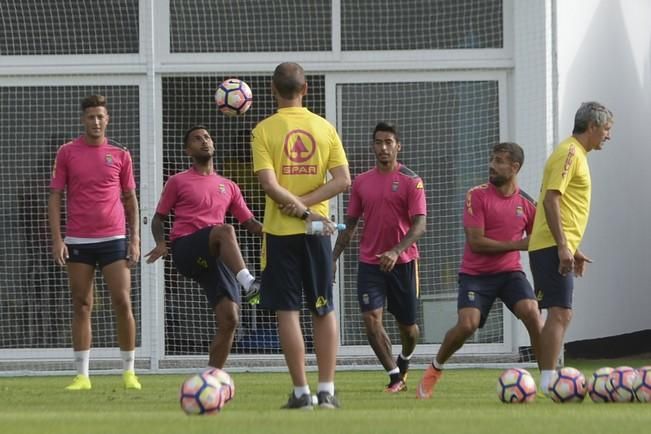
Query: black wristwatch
[306, 214]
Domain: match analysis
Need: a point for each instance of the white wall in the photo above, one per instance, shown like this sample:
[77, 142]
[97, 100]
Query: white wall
[604, 54]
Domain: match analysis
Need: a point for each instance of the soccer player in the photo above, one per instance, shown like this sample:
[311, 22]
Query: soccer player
[560, 223]
[204, 248]
[293, 150]
[496, 217]
[97, 177]
[391, 200]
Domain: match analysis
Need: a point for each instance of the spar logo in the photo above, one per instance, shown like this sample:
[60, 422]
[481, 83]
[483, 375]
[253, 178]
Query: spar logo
[299, 147]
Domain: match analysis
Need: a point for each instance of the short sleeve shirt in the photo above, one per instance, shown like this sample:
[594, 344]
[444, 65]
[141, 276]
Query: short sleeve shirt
[387, 202]
[503, 218]
[94, 178]
[566, 171]
[199, 201]
[300, 147]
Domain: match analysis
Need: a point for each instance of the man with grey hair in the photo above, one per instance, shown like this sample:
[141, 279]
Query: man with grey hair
[559, 226]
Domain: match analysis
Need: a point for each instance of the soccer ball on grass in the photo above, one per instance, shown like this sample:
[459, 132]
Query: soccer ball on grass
[567, 385]
[516, 385]
[202, 394]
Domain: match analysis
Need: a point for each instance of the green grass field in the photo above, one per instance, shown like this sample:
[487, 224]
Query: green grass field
[464, 402]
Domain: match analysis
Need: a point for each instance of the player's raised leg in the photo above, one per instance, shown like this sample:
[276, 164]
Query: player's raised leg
[80, 277]
[224, 246]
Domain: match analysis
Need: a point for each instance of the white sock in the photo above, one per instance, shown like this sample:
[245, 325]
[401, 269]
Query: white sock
[403, 357]
[128, 360]
[245, 278]
[437, 365]
[545, 379]
[326, 387]
[82, 360]
[395, 370]
[301, 390]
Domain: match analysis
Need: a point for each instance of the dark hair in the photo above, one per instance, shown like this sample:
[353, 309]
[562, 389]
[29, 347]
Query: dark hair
[93, 101]
[591, 112]
[387, 127]
[288, 79]
[516, 154]
[189, 131]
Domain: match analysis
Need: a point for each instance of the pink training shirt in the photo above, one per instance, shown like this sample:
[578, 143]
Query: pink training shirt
[387, 202]
[200, 201]
[503, 219]
[94, 178]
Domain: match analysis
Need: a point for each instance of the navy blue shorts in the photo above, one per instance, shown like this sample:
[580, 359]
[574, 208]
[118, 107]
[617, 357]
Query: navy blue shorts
[101, 254]
[481, 291]
[399, 287]
[297, 265]
[552, 289]
[192, 258]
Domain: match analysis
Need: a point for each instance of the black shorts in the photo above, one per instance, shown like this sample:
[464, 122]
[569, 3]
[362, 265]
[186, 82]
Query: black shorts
[101, 254]
[297, 265]
[481, 291]
[399, 287]
[552, 289]
[192, 258]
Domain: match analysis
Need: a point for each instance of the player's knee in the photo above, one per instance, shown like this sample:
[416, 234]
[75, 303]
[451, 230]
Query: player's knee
[122, 305]
[467, 326]
[222, 232]
[228, 320]
[372, 322]
[82, 305]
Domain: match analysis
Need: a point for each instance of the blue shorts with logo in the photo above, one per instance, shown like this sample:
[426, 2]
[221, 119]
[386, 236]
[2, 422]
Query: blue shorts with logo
[399, 287]
[297, 265]
[481, 291]
[552, 289]
[102, 254]
[193, 259]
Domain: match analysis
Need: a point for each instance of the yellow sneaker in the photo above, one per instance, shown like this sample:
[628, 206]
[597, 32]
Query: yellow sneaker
[131, 381]
[80, 382]
[427, 383]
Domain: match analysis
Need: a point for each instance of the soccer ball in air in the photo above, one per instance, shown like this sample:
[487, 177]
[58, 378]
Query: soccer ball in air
[620, 384]
[202, 394]
[516, 385]
[642, 384]
[568, 385]
[228, 386]
[597, 384]
[233, 97]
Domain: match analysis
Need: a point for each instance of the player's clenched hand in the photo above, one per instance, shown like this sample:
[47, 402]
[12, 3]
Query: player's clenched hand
[387, 260]
[565, 261]
[159, 251]
[59, 252]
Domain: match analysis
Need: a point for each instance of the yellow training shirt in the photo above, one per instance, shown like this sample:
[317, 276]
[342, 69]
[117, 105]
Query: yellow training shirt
[300, 147]
[567, 171]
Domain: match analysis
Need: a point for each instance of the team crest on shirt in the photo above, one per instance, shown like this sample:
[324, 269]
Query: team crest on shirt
[471, 295]
[222, 188]
[395, 185]
[519, 211]
[108, 159]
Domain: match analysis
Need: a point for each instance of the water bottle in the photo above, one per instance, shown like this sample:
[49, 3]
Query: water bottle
[316, 227]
